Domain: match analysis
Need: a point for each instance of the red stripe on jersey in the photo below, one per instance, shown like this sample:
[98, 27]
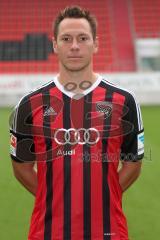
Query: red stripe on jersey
[37, 220]
[118, 221]
[77, 111]
[84, 197]
[97, 121]
[57, 167]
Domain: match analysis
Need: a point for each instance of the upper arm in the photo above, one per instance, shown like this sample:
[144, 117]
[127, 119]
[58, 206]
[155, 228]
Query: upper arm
[22, 144]
[21, 168]
[132, 166]
[132, 148]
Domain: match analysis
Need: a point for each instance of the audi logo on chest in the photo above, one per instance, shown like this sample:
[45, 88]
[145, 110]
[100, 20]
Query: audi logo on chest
[74, 136]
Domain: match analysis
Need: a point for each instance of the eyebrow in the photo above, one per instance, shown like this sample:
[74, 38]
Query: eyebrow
[67, 34]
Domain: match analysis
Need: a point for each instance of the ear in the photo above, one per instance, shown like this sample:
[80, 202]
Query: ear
[54, 45]
[96, 45]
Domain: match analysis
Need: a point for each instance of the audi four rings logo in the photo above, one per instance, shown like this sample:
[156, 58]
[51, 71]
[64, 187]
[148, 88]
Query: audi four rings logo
[74, 136]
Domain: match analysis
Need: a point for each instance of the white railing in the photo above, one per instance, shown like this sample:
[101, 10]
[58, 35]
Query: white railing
[146, 86]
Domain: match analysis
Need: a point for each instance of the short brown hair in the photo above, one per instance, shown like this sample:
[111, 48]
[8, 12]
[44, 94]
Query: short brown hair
[75, 12]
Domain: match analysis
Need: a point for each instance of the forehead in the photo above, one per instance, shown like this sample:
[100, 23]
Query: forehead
[74, 26]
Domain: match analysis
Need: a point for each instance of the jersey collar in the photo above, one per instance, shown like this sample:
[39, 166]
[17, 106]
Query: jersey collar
[72, 94]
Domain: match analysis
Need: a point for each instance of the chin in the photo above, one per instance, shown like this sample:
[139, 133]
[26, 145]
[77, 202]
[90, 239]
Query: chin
[76, 67]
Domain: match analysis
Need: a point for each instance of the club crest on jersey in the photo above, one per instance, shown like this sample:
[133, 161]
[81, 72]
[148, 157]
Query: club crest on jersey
[13, 145]
[104, 107]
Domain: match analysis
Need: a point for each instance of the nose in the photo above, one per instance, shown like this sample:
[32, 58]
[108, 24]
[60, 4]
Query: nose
[75, 45]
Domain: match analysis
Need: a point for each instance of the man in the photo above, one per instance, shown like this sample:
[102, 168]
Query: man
[76, 129]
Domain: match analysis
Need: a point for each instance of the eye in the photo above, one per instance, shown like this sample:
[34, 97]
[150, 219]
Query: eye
[83, 38]
[66, 39]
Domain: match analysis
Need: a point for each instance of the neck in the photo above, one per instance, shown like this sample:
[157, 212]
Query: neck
[66, 76]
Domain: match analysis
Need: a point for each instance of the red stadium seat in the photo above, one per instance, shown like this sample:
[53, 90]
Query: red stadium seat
[118, 23]
[20, 18]
[146, 16]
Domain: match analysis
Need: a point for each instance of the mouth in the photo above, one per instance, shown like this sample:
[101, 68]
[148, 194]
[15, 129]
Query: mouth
[74, 57]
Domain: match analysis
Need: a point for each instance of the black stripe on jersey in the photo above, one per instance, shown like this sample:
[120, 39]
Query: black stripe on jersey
[87, 170]
[67, 172]
[105, 187]
[49, 173]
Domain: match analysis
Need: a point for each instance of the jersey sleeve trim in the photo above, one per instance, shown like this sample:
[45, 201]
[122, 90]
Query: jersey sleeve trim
[16, 159]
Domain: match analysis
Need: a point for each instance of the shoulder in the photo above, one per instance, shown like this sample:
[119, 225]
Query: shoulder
[42, 89]
[22, 111]
[129, 95]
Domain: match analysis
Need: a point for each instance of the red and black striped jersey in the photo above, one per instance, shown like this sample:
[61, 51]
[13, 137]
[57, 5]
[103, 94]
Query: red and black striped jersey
[77, 142]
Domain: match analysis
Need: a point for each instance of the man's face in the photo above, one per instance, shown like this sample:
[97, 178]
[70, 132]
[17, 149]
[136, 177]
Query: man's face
[75, 45]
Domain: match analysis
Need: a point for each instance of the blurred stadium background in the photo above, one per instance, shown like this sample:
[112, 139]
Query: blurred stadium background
[129, 55]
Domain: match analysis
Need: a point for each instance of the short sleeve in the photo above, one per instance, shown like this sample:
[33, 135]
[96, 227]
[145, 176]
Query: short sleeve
[132, 148]
[21, 137]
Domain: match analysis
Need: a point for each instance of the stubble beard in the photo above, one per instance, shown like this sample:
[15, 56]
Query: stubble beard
[77, 69]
